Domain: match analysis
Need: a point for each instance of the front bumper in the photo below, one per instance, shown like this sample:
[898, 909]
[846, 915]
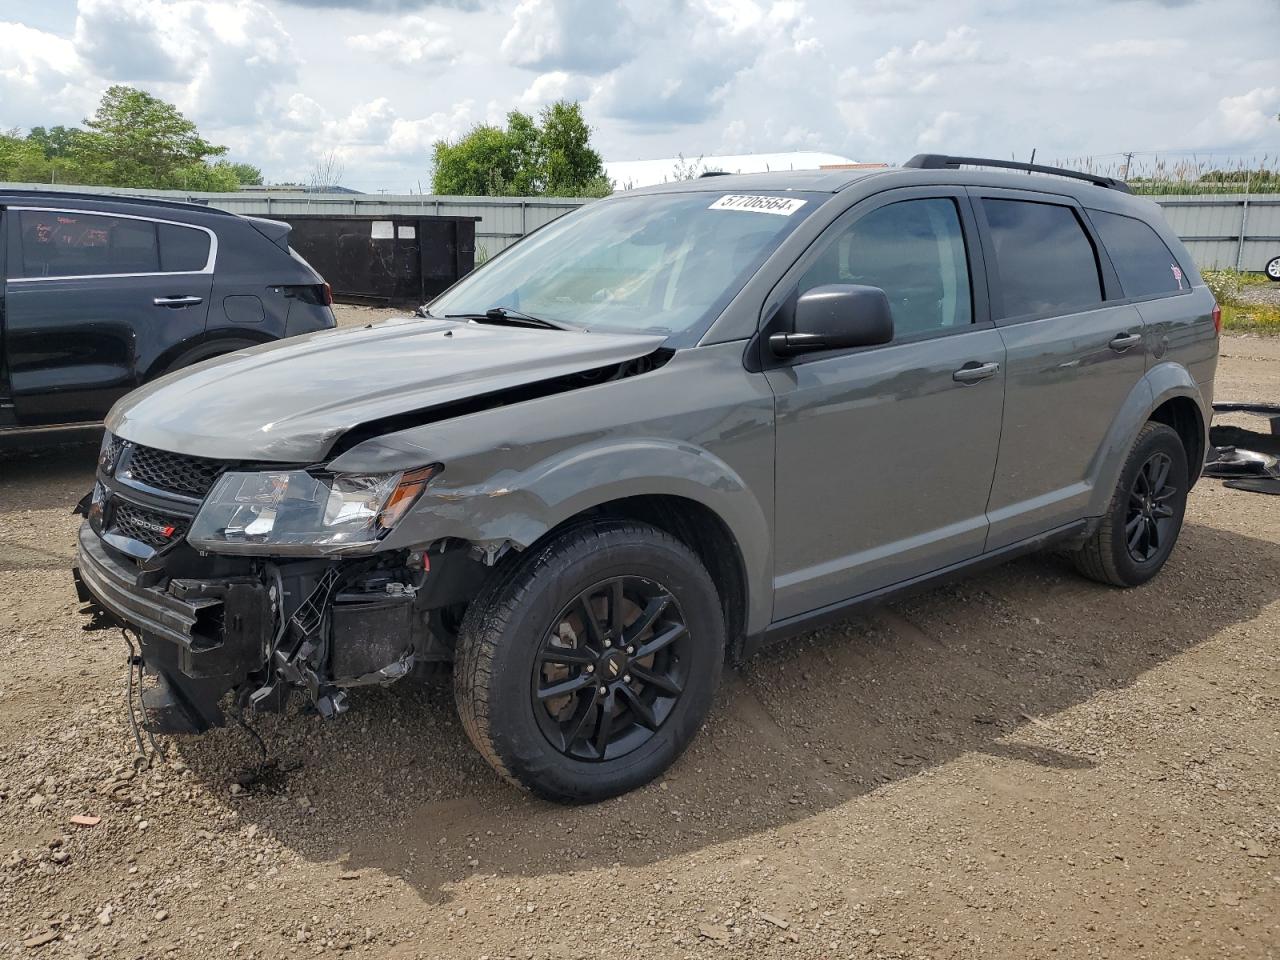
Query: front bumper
[218, 627]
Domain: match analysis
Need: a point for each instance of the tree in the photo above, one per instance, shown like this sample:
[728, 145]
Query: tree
[550, 157]
[133, 140]
[326, 172]
[246, 174]
[137, 140]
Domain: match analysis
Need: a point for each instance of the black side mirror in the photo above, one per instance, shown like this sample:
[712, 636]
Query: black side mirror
[837, 316]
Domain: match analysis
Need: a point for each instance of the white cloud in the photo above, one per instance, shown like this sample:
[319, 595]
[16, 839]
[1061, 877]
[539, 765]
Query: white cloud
[584, 36]
[220, 59]
[412, 40]
[557, 85]
[41, 78]
[1242, 119]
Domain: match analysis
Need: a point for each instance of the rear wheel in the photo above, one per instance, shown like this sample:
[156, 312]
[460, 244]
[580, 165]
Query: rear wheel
[1273, 269]
[586, 670]
[1144, 518]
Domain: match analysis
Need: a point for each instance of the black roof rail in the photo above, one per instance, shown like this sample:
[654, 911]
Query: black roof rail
[940, 161]
[714, 173]
[51, 196]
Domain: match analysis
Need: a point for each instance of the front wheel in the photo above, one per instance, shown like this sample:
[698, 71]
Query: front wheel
[586, 668]
[1142, 523]
[1273, 269]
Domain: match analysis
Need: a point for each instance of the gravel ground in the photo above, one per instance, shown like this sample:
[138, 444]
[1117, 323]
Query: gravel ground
[1020, 765]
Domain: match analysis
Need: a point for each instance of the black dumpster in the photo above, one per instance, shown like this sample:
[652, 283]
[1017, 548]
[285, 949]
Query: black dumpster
[386, 259]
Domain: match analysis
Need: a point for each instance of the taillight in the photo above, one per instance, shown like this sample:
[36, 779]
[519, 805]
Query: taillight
[326, 295]
[1217, 320]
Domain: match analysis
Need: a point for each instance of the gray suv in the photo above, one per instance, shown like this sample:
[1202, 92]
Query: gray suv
[651, 437]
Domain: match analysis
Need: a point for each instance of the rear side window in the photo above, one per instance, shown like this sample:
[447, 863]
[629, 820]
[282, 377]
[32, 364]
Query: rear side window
[1146, 266]
[182, 249]
[1046, 261]
[66, 244]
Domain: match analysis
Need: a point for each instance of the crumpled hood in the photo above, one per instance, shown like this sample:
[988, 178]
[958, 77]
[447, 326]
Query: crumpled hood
[288, 401]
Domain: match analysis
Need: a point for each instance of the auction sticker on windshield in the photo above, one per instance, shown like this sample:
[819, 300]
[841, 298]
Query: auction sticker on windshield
[782, 206]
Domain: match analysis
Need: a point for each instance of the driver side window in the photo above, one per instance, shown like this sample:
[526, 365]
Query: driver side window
[914, 251]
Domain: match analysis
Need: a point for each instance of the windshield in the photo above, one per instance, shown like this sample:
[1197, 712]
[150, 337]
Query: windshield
[664, 263]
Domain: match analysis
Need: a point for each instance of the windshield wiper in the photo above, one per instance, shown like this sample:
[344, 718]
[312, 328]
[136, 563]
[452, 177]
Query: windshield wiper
[506, 315]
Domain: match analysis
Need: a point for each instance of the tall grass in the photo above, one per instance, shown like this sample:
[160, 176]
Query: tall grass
[1155, 175]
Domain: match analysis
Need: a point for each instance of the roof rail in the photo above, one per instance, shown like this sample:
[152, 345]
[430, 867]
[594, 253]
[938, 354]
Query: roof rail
[52, 195]
[940, 161]
[714, 173]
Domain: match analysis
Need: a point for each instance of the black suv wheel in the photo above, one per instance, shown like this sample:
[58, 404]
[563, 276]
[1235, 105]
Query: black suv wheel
[1141, 525]
[587, 668]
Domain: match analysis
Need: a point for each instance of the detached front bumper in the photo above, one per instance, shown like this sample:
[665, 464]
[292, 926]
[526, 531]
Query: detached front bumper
[215, 628]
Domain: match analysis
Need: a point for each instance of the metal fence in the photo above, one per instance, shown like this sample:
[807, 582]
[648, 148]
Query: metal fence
[1222, 231]
[1240, 232]
[503, 220]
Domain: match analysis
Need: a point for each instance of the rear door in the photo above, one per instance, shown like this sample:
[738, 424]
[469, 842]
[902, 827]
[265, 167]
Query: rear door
[1072, 357]
[93, 302]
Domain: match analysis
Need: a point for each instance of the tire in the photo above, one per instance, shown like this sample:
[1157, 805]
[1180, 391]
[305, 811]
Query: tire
[1109, 556]
[531, 618]
[1272, 269]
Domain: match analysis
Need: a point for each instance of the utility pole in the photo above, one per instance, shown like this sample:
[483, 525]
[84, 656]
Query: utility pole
[1128, 159]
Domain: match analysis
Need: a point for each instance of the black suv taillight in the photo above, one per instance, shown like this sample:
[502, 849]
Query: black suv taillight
[319, 294]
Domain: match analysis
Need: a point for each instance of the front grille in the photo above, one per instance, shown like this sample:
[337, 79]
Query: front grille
[147, 526]
[175, 472]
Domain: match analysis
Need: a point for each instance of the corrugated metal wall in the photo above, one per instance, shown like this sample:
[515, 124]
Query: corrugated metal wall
[1240, 232]
[1221, 231]
[503, 220]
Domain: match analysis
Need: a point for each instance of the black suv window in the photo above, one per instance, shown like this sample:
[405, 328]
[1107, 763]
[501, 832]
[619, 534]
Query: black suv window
[914, 251]
[182, 249]
[68, 244]
[1046, 261]
[1145, 265]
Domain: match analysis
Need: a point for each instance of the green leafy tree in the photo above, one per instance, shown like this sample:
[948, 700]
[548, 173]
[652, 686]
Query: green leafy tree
[137, 140]
[548, 157]
[133, 140]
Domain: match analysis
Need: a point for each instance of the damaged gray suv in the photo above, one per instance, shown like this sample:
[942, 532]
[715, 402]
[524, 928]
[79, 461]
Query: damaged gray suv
[654, 435]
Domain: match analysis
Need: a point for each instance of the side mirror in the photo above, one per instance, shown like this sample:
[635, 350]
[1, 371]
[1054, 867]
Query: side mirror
[837, 316]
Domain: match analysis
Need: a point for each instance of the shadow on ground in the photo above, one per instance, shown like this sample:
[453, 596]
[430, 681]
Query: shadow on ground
[394, 785]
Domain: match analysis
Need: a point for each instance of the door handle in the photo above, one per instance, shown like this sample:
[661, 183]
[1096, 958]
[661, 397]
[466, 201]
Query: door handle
[1123, 341]
[177, 301]
[974, 372]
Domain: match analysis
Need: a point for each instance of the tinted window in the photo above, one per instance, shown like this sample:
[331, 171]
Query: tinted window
[182, 248]
[77, 244]
[914, 251]
[1144, 263]
[1046, 261]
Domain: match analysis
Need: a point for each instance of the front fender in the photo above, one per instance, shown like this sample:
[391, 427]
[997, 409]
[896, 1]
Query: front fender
[1162, 382]
[517, 507]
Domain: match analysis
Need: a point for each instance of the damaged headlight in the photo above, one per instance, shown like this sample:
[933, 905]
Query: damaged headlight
[293, 511]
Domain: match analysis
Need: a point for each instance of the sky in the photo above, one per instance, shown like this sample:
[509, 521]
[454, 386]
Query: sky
[285, 83]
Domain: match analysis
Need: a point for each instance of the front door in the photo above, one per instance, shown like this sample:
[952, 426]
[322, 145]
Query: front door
[885, 454]
[1073, 358]
[89, 308]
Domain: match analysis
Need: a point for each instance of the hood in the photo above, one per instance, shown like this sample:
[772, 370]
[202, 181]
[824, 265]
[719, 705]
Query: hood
[289, 401]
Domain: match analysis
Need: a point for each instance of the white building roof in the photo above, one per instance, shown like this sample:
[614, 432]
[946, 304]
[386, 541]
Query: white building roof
[627, 174]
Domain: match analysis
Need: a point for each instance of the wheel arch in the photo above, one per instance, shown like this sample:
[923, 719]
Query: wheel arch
[700, 529]
[216, 342]
[1166, 391]
[1184, 416]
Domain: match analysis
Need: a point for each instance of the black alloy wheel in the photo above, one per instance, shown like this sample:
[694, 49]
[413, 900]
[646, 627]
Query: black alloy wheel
[587, 664]
[611, 669]
[1151, 522]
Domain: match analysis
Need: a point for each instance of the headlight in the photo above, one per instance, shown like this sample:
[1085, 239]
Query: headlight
[292, 511]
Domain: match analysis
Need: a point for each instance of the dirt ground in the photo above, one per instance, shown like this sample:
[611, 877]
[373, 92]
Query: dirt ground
[1021, 765]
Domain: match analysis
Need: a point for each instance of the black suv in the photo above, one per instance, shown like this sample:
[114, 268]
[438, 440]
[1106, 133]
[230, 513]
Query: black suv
[103, 293]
